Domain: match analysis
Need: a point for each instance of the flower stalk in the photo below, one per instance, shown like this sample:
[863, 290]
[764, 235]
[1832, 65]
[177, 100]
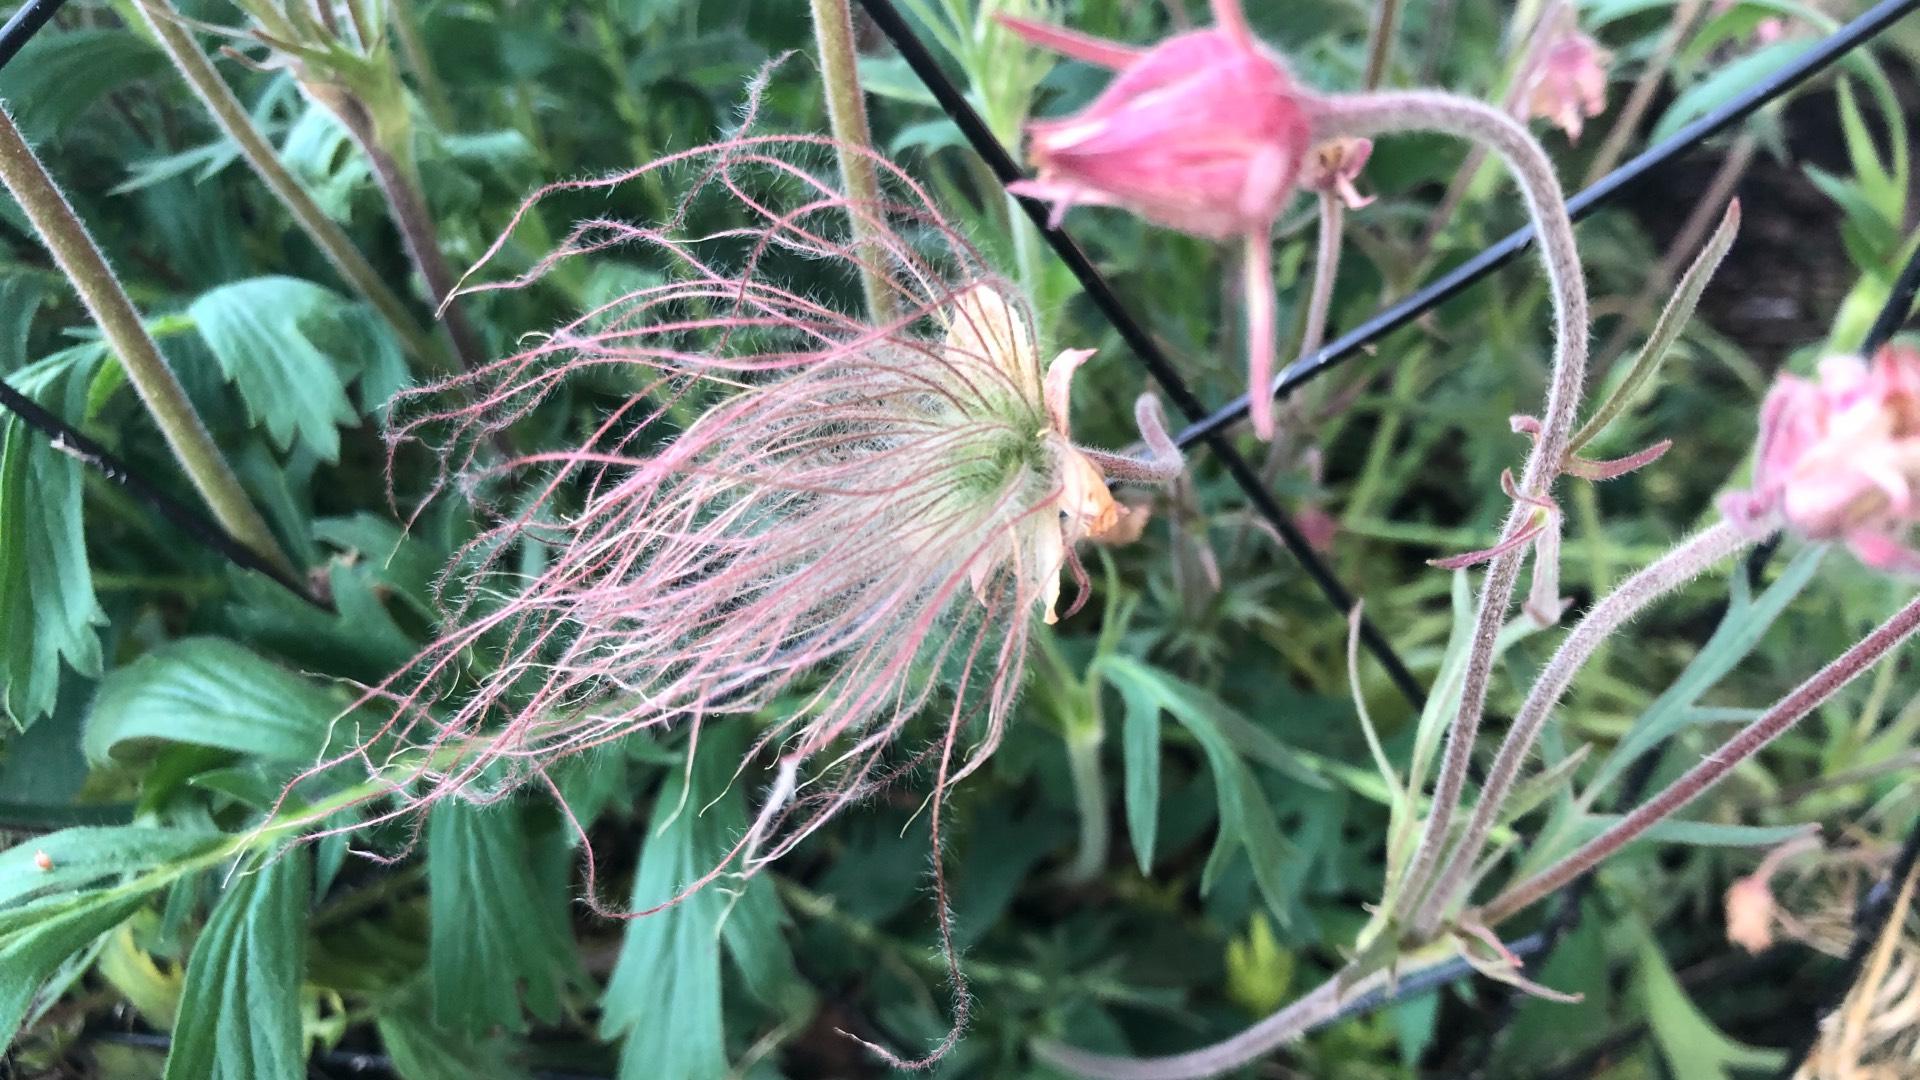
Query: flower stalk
[1696, 781]
[1367, 115]
[231, 117]
[166, 401]
[853, 142]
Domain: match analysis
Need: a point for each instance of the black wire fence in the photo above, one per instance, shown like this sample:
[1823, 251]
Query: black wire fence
[1211, 427]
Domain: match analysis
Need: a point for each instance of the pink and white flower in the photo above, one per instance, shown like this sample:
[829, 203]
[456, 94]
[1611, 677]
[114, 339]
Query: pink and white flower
[1838, 457]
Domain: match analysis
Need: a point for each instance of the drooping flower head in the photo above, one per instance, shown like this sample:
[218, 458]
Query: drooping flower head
[1205, 132]
[1568, 83]
[1838, 457]
[789, 516]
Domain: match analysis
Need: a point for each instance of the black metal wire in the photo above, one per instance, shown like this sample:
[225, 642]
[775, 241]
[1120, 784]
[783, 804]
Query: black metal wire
[1816, 59]
[955, 104]
[69, 439]
[23, 24]
[1898, 308]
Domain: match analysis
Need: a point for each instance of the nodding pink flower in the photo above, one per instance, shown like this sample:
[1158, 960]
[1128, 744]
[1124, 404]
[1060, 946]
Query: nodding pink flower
[795, 518]
[1568, 84]
[1838, 457]
[1205, 132]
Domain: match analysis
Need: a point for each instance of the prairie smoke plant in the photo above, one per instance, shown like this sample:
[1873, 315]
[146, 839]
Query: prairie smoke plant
[853, 524]
[1838, 456]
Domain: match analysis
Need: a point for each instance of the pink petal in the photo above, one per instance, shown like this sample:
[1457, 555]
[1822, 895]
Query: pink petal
[1100, 52]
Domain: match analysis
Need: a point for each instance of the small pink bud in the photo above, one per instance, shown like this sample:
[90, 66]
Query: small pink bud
[1750, 909]
[43, 861]
[1568, 85]
[1204, 133]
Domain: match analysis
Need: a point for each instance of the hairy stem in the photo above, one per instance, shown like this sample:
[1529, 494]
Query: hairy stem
[1695, 782]
[1083, 741]
[80, 260]
[232, 118]
[1282, 1027]
[433, 92]
[1256, 276]
[422, 239]
[847, 118]
[1420, 110]
[1689, 560]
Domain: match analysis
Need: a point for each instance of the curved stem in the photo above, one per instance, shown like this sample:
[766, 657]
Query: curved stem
[847, 118]
[1420, 110]
[422, 240]
[1689, 560]
[1802, 700]
[1303, 1015]
[1256, 276]
[166, 401]
[232, 118]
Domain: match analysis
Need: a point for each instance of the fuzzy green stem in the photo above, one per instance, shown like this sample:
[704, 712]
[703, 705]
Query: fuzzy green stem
[433, 92]
[326, 234]
[847, 118]
[66, 238]
[1420, 110]
[1688, 560]
[1695, 782]
[1083, 740]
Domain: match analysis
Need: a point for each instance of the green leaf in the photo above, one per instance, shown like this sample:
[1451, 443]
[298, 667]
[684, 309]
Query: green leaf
[1140, 753]
[59, 75]
[1726, 81]
[1692, 1045]
[422, 1050]
[37, 938]
[240, 1006]
[47, 600]
[76, 858]
[664, 996]
[1697, 833]
[499, 933]
[1673, 319]
[266, 333]
[1246, 818]
[1745, 623]
[211, 692]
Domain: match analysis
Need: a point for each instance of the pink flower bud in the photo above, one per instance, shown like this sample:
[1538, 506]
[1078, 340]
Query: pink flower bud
[1204, 133]
[1838, 456]
[1568, 85]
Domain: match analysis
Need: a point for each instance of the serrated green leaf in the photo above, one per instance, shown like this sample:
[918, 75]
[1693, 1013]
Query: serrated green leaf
[59, 75]
[499, 935]
[423, 1050]
[46, 584]
[240, 1007]
[211, 692]
[75, 858]
[664, 997]
[263, 333]
[37, 938]
[1247, 820]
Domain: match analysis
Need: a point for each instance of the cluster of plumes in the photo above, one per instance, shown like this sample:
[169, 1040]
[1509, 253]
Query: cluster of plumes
[1838, 458]
[796, 518]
